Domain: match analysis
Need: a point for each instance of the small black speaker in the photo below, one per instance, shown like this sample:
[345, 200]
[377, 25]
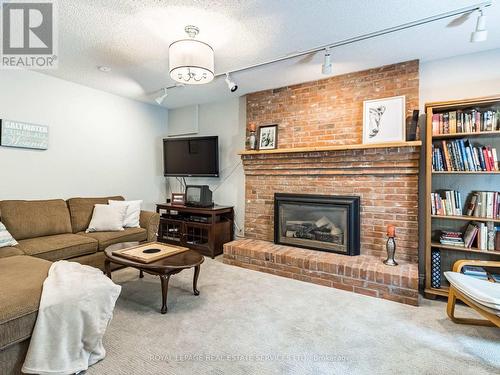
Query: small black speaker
[411, 126]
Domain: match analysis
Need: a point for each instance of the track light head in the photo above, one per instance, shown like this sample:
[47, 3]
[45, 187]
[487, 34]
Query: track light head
[326, 68]
[231, 85]
[162, 97]
[480, 34]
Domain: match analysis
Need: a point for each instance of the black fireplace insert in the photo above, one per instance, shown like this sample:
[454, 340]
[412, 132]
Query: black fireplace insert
[319, 222]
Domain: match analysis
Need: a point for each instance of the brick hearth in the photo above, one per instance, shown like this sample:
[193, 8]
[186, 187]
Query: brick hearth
[362, 274]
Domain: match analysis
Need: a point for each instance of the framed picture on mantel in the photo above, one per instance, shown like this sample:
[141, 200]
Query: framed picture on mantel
[268, 137]
[384, 120]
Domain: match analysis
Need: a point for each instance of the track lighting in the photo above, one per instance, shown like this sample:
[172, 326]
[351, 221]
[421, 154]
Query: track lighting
[205, 55]
[162, 97]
[231, 85]
[480, 34]
[326, 68]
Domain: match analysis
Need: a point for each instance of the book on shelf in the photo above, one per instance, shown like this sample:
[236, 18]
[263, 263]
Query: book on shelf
[461, 155]
[470, 235]
[465, 121]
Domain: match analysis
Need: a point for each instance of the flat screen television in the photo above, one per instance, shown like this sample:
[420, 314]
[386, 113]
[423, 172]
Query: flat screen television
[191, 157]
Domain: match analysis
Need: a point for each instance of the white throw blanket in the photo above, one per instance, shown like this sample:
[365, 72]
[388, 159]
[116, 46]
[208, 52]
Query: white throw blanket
[75, 308]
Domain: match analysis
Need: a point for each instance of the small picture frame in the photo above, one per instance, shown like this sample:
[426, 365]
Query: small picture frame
[268, 137]
[178, 199]
[384, 120]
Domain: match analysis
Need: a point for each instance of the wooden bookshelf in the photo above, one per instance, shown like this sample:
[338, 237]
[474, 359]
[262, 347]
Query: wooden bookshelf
[465, 218]
[460, 178]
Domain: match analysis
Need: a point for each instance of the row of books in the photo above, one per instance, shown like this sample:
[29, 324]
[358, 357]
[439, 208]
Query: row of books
[447, 203]
[460, 155]
[481, 234]
[465, 121]
[484, 204]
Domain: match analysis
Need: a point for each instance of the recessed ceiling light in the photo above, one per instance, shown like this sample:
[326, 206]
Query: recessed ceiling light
[104, 69]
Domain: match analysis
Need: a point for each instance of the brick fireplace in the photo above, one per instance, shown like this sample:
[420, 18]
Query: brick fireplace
[322, 113]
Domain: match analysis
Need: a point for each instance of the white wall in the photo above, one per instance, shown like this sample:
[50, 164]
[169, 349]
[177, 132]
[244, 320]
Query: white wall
[99, 144]
[227, 120]
[460, 77]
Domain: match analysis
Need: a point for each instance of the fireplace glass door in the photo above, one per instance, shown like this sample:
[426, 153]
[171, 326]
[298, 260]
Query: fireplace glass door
[317, 222]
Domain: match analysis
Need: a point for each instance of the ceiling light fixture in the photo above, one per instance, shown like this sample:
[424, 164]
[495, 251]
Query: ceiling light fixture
[480, 34]
[231, 85]
[326, 68]
[191, 61]
[162, 97]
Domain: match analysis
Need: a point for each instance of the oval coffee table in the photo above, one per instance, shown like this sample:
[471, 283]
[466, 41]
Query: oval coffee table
[164, 268]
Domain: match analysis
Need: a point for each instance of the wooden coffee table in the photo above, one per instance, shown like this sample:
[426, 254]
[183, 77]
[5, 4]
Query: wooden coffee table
[164, 268]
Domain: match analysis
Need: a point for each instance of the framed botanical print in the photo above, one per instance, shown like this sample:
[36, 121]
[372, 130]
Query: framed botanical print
[268, 137]
[384, 120]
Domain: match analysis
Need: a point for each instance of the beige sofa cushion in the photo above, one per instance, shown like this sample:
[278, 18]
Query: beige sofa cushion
[81, 210]
[21, 280]
[29, 219]
[109, 238]
[58, 247]
[10, 251]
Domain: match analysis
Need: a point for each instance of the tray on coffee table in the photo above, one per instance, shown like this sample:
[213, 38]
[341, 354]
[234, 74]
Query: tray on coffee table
[150, 252]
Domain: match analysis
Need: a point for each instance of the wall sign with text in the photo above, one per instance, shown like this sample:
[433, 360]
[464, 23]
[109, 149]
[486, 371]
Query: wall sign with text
[23, 135]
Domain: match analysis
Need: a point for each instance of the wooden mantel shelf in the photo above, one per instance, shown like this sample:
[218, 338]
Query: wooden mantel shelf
[332, 148]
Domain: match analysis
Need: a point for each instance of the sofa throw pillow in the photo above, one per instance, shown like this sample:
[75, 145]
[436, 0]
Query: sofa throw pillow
[133, 212]
[106, 218]
[5, 237]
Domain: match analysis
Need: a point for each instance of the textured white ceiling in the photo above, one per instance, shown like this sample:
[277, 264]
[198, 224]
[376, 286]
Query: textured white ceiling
[132, 37]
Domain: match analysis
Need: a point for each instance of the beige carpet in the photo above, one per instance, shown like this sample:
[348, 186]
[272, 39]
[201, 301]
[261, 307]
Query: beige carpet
[247, 322]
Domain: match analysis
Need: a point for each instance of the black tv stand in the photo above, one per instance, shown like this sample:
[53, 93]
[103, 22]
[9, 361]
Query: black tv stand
[205, 229]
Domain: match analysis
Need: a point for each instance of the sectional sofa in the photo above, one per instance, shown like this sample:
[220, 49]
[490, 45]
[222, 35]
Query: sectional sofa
[47, 231]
